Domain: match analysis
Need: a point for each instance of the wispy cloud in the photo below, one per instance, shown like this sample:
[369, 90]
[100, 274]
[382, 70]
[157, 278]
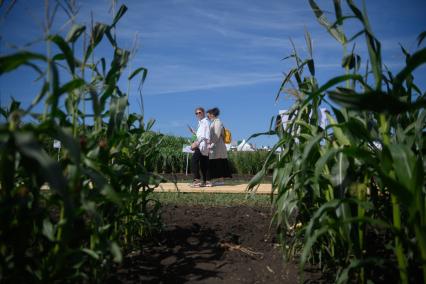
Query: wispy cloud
[177, 79]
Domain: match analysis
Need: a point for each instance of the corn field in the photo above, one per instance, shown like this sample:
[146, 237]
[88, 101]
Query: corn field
[351, 197]
[98, 203]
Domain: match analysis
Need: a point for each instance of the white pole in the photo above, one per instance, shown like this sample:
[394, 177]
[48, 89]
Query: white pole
[187, 158]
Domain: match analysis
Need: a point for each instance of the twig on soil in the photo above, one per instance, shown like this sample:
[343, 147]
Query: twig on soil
[247, 251]
[269, 269]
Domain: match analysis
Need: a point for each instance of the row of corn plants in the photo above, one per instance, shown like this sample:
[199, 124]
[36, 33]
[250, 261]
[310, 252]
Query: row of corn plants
[247, 163]
[351, 197]
[96, 201]
[169, 157]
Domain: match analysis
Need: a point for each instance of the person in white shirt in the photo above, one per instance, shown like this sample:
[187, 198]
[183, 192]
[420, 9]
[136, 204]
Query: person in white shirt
[200, 158]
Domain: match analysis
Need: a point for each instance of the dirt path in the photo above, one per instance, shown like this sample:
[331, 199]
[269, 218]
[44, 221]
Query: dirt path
[211, 245]
[228, 188]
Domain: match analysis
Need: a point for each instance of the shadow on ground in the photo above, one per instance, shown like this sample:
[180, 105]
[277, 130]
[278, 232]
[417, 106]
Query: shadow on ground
[183, 254]
[204, 244]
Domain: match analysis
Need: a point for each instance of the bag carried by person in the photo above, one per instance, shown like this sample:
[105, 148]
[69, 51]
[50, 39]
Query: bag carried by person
[227, 137]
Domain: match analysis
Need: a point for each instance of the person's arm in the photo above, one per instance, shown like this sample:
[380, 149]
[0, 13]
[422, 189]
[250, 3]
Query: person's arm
[191, 129]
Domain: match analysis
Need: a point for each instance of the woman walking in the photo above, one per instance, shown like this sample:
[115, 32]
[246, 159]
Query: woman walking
[218, 157]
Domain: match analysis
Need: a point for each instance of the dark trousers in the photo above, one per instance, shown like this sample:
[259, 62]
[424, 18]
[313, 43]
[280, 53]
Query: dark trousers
[199, 162]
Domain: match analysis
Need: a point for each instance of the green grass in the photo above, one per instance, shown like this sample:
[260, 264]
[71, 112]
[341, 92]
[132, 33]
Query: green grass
[212, 199]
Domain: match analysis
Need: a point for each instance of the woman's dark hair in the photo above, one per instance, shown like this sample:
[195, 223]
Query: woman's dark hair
[215, 111]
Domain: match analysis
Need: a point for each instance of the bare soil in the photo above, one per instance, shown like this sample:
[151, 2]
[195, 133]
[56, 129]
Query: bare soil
[212, 245]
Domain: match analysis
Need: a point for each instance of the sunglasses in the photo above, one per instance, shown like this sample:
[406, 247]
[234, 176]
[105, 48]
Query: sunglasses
[198, 112]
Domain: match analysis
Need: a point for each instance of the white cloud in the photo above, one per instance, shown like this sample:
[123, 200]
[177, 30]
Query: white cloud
[176, 79]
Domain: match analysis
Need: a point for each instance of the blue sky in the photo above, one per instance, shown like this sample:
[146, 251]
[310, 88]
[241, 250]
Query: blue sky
[215, 53]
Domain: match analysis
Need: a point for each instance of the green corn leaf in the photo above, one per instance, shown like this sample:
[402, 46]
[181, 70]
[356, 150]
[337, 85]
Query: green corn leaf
[111, 194]
[360, 154]
[311, 233]
[322, 162]
[312, 144]
[341, 138]
[406, 53]
[48, 230]
[346, 277]
[71, 86]
[356, 11]
[53, 99]
[136, 72]
[28, 146]
[257, 179]
[97, 34]
[116, 252]
[336, 32]
[356, 35]
[119, 14]
[97, 110]
[117, 108]
[11, 62]
[149, 124]
[75, 32]
[339, 170]
[103, 64]
[54, 81]
[373, 101]
[404, 163]
[39, 97]
[36, 68]
[373, 44]
[58, 57]
[111, 38]
[119, 62]
[337, 80]
[394, 186]
[90, 252]
[358, 129]
[351, 61]
[420, 38]
[285, 81]
[66, 50]
[416, 59]
[338, 12]
[311, 66]
[309, 44]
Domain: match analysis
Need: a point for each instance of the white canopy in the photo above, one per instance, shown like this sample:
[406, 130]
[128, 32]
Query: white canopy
[244, 146]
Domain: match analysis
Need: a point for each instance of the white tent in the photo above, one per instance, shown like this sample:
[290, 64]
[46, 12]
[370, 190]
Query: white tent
[244, 146]
[321, 115]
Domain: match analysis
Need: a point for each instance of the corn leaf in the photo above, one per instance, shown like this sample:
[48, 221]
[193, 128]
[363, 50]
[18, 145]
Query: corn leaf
[75, 32]
[97, 34]
[404, 163]
[373, 101]
[420, 38]
[416, 59]
[116, 252]
[66, 50]
[336, 32]
[119, 14]
[11, 62]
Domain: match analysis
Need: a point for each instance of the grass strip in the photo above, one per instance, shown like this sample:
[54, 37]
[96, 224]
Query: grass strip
[212, 199]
